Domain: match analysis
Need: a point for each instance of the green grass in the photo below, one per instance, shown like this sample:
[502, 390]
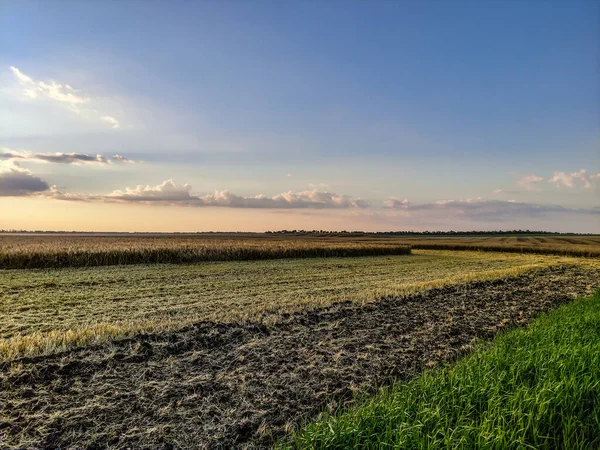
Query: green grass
[536, 387]
[49, 310]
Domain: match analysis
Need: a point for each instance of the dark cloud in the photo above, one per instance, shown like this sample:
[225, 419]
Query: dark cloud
[16, 181]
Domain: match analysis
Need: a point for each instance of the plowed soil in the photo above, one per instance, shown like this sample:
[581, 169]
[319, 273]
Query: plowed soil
[241, 386]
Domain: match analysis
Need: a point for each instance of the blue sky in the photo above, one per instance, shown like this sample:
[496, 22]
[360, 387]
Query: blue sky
[476, 103]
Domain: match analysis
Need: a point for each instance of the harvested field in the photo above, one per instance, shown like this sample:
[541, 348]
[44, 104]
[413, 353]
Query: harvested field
[575, 245]
[586, 247]
[45, 311]
[531, 387]
[214, 385]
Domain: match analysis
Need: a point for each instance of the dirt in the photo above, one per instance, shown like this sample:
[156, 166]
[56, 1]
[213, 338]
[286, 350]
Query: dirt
[242, 386]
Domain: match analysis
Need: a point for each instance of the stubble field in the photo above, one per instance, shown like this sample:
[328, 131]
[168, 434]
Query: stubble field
[48, 310]
[237, 354]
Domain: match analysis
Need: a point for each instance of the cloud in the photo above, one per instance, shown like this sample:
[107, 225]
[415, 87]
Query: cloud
[480, 209]
[61, 93]
[167, 191]
[21, 76]
[530, 182]
[111, 120]
[580, 179]
[63, 158]
[52, 90]
[505, 191]
[314, 198]
[574, 179]
[170, 193]
[122, 159]
[394, 203]
[16, 181]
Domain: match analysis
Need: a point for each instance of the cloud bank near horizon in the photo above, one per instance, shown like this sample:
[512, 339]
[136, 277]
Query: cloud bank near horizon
[62, 158]
[17, 181]
[581, 179]
[485, 210]
[168, 193]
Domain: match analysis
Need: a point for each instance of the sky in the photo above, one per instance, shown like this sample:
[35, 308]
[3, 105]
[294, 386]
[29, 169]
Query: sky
[265, 115]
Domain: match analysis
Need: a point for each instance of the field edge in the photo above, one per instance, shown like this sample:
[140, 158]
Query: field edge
[533, 387]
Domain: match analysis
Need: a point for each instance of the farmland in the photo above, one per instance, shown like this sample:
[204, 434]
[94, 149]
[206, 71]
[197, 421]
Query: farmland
[549, 245]
[30, 252]
[299, 225]
[545, 244]
[237, 353]
[80, 250]
[483, 401]
[49, 310]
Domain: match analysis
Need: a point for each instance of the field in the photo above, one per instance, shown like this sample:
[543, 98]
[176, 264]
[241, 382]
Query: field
[532, 388]
[238, 353]
[549, 245]
[39, 251]
[61, 250]
[45, 311]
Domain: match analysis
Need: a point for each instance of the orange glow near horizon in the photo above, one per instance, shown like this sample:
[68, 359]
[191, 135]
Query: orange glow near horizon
[55, 215]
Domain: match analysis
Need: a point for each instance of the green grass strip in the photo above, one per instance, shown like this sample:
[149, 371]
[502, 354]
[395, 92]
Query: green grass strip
[536, 387]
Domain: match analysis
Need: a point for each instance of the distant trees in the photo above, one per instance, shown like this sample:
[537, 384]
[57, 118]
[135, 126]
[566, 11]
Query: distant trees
[427, 232]
[319, 232]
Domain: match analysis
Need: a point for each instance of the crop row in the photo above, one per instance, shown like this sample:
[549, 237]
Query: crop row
[65, 256]
[556, 250]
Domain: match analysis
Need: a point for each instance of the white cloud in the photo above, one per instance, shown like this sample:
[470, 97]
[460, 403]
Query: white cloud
[62, 158]
[167, 191]
[61, 93]
[170, 193]
[16, 181]
[574, 179]
[530, 182]
[52, 90]
[394, 203]
[21, 76]
[122, 159]
[314, 198]
[111, 120]
[505, 191]
[580, 179]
